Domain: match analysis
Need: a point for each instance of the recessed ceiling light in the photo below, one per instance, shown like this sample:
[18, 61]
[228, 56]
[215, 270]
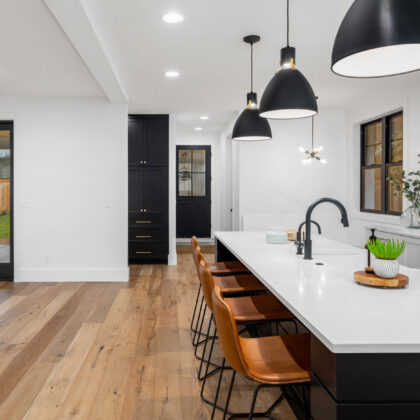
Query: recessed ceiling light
[172, 74]
[204, 117]
[172, 17]
[198, 128]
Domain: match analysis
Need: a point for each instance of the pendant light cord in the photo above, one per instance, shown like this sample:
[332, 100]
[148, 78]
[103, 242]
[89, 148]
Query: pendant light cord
[288, 23]
[252, 67]
[312, 134]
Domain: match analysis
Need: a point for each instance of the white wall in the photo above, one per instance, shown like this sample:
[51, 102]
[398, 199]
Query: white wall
[273, 181]
[384, 103]
[70, 188]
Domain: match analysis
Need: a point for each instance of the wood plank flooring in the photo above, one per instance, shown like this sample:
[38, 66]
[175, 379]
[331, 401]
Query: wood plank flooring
[107, 350]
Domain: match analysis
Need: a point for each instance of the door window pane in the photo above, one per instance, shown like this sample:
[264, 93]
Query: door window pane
[373, 143]
[199, 161]
[199, 185]
[4, 196]
[394, 196]
[396, 138]
[184, 160]
[184, 184]
[372, 199]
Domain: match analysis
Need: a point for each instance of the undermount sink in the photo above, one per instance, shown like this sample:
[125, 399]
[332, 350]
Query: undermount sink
[339, 251]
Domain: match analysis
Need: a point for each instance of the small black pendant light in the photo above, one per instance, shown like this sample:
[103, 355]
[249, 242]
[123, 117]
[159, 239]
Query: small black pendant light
[289, 95]
[378, 38]
[249, 125]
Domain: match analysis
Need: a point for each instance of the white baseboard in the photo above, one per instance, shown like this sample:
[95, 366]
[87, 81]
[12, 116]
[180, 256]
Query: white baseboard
[32, 275]
[172, 259]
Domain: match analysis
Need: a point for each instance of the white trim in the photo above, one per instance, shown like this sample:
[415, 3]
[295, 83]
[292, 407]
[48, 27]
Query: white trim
[62, 275]
[173, 259]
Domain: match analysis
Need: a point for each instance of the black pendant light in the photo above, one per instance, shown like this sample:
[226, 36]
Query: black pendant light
[378, 38]
[250, 126]
[289, 95]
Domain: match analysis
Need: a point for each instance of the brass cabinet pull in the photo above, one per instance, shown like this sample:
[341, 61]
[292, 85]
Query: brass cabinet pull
[143, 252]
[144, 236]
[143, 221]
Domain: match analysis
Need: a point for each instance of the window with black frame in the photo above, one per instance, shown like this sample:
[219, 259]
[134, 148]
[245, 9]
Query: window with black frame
[381, 156]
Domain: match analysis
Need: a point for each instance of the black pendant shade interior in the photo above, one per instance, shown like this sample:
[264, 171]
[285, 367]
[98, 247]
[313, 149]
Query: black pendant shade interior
[250, 126]
[378, 38]
[288, 95]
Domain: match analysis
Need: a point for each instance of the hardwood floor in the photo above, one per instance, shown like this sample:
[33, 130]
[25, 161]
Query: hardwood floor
[106, 350]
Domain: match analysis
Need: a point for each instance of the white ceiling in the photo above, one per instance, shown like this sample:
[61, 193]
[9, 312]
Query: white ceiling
[207, 49]
[36, 58]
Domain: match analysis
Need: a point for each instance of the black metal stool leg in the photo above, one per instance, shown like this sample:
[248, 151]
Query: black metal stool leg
[275, 403]
[195, 308]
[218, 389]
[198, 320]
[200, 329]
[204, 350]
[229, 394]
[254, 400]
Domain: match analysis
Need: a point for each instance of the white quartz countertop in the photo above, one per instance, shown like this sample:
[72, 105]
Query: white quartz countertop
[345, 316]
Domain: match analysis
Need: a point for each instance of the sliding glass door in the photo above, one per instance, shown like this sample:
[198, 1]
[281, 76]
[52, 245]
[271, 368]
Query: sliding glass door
[6, 201]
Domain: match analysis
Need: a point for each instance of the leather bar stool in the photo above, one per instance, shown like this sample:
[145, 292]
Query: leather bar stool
[246, 310]
[229, 268]
[231, 285]
[276, 361]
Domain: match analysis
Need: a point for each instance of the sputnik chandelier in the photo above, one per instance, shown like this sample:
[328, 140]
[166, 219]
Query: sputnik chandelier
[313, 154]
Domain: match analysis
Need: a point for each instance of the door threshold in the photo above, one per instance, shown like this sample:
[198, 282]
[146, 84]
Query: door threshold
[202, 241]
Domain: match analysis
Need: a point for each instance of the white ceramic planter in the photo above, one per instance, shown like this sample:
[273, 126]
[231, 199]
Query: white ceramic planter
[386, 269]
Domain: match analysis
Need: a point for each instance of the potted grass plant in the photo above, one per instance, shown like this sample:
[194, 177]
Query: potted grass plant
[386, 253]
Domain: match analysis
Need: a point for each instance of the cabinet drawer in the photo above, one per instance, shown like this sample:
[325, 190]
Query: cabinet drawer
[147, 234]
[147, 251]
[146, 220]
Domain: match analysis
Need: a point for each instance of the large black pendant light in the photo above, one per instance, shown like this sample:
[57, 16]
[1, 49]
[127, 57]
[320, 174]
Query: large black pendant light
[289, 95]
[249, 125]
[378, 38]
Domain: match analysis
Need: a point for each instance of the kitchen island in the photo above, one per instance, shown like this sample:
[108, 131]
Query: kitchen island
[365, 342]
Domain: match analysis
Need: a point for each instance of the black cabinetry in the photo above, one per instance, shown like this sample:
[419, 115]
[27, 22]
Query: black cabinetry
[148, 147]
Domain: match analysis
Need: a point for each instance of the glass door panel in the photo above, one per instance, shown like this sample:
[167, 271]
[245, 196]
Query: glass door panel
[5, 165]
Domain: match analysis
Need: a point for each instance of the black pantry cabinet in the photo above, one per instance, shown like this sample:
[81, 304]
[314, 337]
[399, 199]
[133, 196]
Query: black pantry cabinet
[148, 149]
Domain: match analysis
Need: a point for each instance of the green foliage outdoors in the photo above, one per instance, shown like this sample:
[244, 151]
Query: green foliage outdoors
[408, 184]
[5, 226]
[389, 250]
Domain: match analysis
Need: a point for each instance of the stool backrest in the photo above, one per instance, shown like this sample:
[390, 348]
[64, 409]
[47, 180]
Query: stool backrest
[194, 242]
[197, 257]
[207, 282]
[227, 333]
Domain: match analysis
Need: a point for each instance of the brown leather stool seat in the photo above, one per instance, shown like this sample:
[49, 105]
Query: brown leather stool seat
[257, 308]
[227, 267]
[220, 268]
[280, 359]
[238, 284]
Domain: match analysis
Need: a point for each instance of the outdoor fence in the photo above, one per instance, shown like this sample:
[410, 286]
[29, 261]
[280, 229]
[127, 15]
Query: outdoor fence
[4, 195]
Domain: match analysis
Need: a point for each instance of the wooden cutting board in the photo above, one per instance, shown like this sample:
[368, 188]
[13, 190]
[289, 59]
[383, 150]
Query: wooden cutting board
[373, 280]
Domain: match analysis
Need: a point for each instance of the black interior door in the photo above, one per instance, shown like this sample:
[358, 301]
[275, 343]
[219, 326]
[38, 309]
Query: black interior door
[193, 167]
[6, 201]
